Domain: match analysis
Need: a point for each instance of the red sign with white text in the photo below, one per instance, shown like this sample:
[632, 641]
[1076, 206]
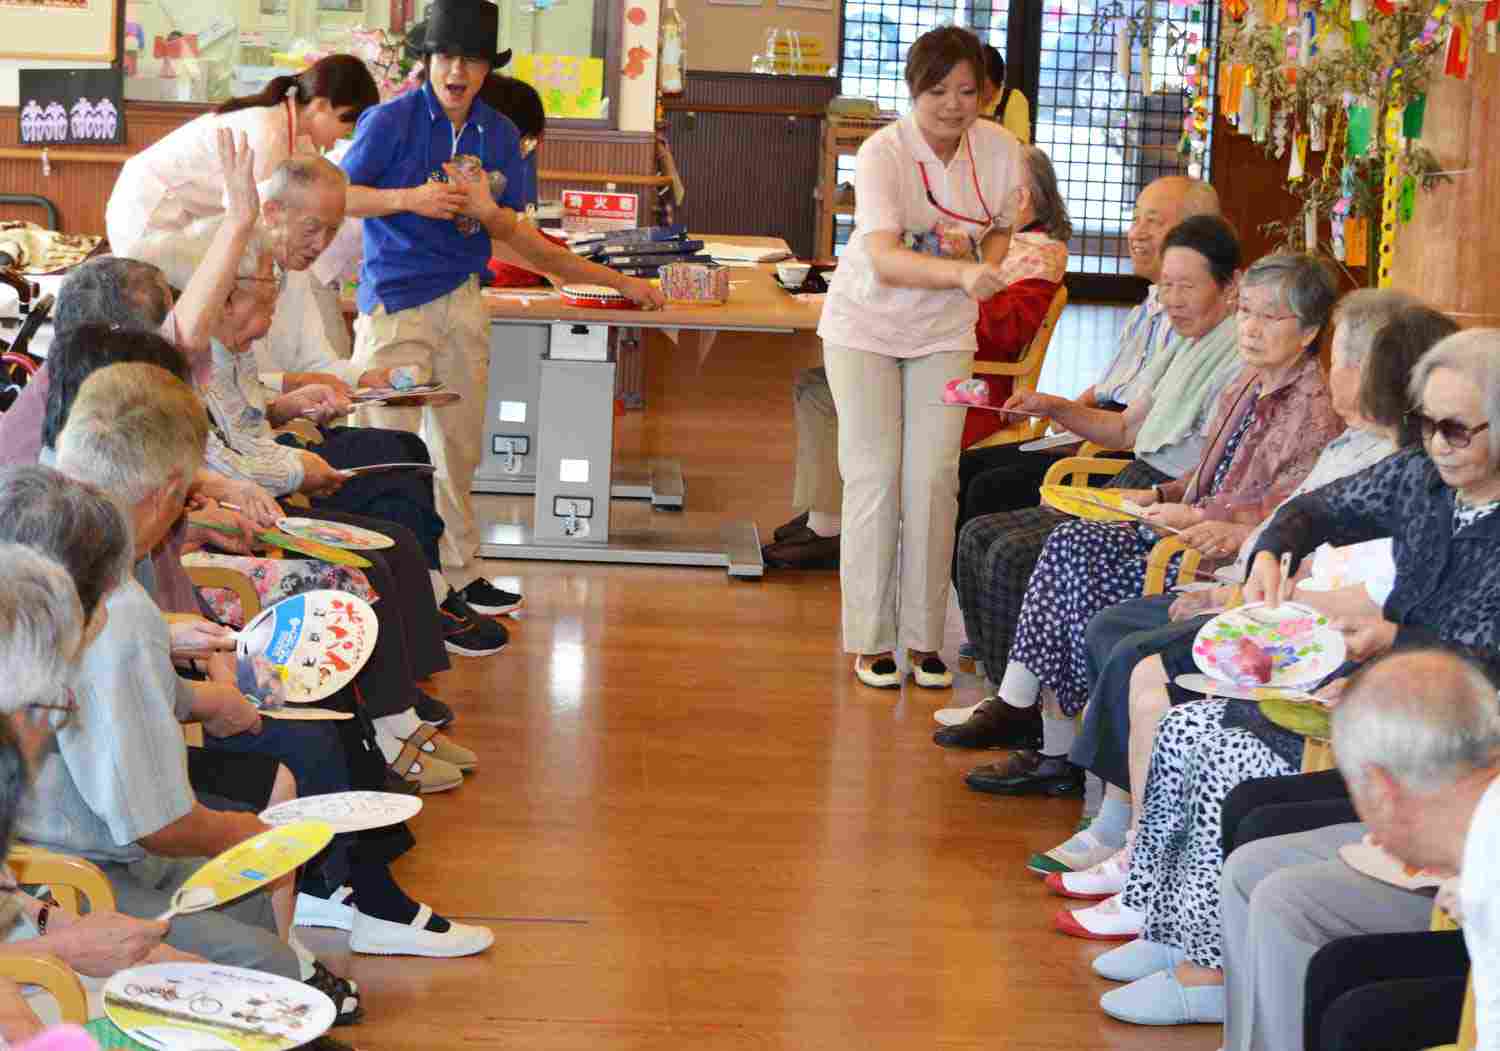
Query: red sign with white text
[583, 210]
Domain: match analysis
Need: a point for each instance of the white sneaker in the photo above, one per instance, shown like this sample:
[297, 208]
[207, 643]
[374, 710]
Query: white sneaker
[325, 912]
[388, 938]
[956, 716]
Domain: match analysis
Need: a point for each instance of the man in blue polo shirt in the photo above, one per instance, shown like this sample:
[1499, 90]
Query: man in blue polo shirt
[427, 240]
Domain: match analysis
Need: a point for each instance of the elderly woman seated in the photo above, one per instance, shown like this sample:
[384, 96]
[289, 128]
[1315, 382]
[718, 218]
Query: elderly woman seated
[1438, 505]
[1272, 422]
[1380, 335]
[1167, 426]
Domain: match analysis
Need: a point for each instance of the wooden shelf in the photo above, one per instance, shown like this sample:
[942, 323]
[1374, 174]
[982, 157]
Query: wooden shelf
[842, 137]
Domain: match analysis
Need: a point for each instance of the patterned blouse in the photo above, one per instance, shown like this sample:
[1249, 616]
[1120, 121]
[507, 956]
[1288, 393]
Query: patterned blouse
[1447, 570]
[1289, 426]
[240, 441]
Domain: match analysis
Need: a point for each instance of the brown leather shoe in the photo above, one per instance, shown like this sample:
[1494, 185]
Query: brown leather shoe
[803, 549]
[1028, 773]
[994, 724]
[786, 529]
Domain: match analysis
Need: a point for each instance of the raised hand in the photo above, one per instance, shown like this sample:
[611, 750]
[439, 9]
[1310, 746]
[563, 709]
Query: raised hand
[237, 160]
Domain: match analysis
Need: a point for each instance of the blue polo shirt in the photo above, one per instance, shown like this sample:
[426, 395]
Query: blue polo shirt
[409, 259]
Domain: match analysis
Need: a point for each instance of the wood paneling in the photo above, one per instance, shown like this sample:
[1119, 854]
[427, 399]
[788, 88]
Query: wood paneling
[1449, 252]
[749, 153]
[81, 189]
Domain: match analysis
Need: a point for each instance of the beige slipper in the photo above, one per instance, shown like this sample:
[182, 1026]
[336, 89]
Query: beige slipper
[426, 771]
[435, 745]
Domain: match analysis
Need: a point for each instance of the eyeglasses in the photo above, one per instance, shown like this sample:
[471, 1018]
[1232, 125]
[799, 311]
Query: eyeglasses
[1264, 319]
[52, 717]
[1455, 434]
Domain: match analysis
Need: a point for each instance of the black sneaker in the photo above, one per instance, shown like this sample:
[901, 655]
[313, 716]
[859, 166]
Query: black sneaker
[431, 710]
[484, 597]
[466, 632]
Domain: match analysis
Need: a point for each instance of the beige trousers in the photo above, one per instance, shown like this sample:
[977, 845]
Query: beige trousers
[819, 486]
[451, 337]
[898, 452]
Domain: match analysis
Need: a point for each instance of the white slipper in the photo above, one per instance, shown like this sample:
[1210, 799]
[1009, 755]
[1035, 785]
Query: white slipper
[1136, 960]
[1160, 999]
[333, 912]
[370, 934]
[881, 680]
[956, 716]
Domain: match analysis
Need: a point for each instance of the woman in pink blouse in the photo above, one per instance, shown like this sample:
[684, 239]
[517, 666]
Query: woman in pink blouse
[180, 178]
[935, 201]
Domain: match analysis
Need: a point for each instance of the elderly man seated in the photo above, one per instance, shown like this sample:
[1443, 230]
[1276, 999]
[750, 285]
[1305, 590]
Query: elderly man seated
[115, 790]
[1418, 739]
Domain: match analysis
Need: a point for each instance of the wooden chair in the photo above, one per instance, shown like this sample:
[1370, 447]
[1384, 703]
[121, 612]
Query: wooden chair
[67, 877]
[1077, 470]
[1468, 1026]
[244, 589]
[1025, 373]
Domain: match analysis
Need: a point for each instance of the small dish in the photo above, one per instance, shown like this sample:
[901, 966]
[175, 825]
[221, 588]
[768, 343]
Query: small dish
[793, 273]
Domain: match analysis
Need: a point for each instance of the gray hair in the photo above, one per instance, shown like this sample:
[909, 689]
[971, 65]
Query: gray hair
[298, 175]
[1360, 316]
[133, 430]
[1425, 717]
[130, 293]
[1303, 284]
[41, 624]
[71, 522]
[178, 253]
[1046, 200]
[1475, 354]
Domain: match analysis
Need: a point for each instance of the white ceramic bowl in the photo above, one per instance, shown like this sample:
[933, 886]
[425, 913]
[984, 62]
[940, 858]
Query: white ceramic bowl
[793, 273]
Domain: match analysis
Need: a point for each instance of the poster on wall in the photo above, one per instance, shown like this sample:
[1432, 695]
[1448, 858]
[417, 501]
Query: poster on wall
[570, 85]
[71, 106]
[585, 211]
[64, 30]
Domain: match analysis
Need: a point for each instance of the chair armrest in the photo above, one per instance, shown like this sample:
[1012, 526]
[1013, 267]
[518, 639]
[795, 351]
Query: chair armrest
[53, 975]
[1160, 559]
[304, 430]
[233, 579]
[65, 874]
[1025, 431]
[1095, 449]
[1073, 470]
[1317, 756]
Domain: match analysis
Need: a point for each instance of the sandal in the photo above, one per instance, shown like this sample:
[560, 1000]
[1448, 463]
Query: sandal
[343, 993]
[426, 771]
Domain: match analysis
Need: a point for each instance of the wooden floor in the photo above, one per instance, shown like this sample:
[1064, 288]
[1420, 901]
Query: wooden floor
[692, 829]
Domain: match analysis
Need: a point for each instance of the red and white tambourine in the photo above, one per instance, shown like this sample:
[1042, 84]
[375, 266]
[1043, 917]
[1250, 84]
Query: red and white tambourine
[595, 297]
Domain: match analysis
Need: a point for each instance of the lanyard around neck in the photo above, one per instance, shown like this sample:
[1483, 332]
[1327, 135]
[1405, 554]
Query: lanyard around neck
[989, 218]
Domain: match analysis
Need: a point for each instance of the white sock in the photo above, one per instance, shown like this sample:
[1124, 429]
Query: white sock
[1113, 820]
[1058, 736]
[1018, 687]
[440, 586]
[391, 732]
[1093, 794]
[823, 523]
[305, 958]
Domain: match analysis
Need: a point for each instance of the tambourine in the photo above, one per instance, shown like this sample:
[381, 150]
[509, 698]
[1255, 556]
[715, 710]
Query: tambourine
[595, 297]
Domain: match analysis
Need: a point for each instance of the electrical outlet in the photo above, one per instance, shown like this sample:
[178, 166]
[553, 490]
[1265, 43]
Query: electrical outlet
[519, 444]
[577, 506]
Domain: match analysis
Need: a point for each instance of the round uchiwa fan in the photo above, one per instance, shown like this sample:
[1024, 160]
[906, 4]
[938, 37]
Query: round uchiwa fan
[1308, 720]
[595, 297]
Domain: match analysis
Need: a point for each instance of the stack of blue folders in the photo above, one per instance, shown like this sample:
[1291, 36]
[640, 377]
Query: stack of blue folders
[641, 252]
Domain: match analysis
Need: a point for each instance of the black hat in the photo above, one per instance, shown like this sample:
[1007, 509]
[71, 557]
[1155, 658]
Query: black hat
[470, 28]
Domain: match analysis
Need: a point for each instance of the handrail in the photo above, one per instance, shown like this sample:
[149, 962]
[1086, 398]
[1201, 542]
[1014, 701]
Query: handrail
[36, 200]
[625, 180]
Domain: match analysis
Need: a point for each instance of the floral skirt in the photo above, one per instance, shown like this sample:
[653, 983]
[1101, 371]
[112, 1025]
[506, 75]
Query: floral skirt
[274, 579]
[1085, 567]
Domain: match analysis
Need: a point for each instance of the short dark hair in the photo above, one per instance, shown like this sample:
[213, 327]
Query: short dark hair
[125, 292]
[994, 66]
[936, 52]
[1213, 239]
[77, 353]
[517, 100]
[1385, 380]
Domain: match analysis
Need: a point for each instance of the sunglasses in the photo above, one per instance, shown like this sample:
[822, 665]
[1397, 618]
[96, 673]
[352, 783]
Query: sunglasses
[1456, 435]
[52, 717]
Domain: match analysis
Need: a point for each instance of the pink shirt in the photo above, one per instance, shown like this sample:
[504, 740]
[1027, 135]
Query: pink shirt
[179, 179]
[865, 313]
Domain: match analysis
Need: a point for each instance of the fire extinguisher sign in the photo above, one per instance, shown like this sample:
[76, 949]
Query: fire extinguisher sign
[583, 210]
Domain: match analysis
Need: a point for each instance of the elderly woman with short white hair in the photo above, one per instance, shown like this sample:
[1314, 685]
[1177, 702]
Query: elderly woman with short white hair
[1438, 503]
